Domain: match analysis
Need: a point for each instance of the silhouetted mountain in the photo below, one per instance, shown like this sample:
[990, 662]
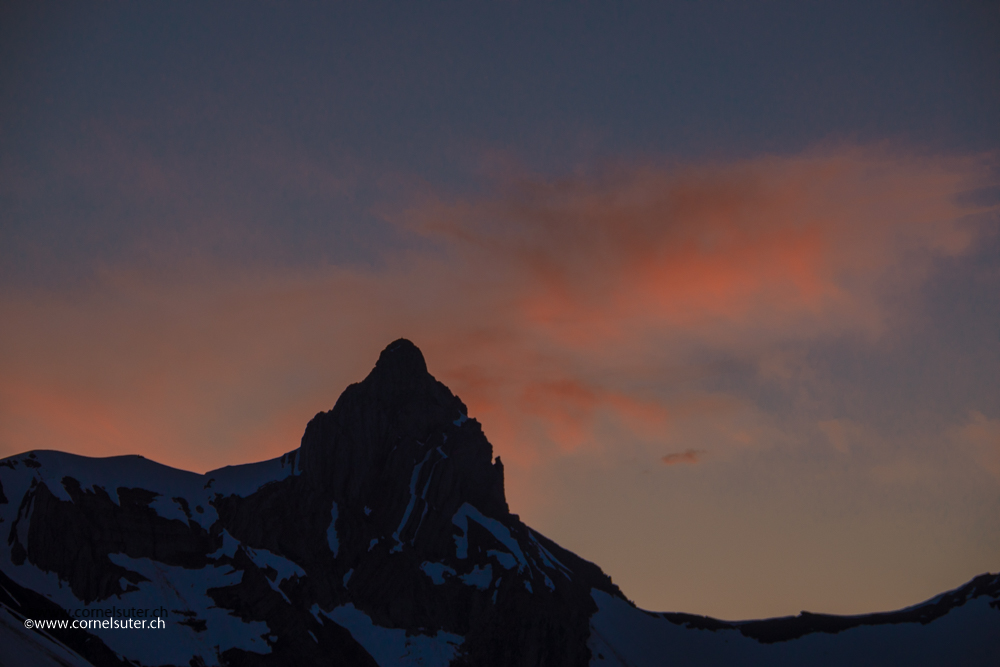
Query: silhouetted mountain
[384, 539]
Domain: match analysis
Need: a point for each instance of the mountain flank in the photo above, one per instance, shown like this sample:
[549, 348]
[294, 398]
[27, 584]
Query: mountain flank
[384, 539]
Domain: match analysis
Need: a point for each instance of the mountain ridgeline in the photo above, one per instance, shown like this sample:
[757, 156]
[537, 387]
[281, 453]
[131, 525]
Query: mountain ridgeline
[399, 459]
[384, 539]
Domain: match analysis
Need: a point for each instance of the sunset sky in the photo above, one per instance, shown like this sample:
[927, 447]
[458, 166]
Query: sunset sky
[720, 280]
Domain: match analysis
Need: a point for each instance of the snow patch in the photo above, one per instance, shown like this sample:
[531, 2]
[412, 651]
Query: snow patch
[437, 571]
[413, 499]
[621, 635]
[177, 588]
[33, 647]
[244, 480]
[551, 561]
[497, 529]
[392, 646]
[506, 560]
[481, 578]
[285, 568]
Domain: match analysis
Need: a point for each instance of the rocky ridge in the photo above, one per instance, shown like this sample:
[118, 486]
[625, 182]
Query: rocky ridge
[384, 539]
[392, 509]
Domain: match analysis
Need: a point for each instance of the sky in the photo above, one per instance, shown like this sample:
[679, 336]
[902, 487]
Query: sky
[720, 280]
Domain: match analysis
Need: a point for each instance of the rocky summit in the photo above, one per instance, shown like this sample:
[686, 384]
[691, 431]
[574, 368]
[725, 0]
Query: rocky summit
[384, 539]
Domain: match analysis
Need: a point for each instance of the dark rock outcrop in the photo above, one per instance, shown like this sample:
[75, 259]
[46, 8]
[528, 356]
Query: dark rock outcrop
[385, 537]
[400, 457]
[394, 508]
[74, 538]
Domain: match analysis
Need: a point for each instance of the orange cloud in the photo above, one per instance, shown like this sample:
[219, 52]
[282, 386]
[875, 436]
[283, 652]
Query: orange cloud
[687, 456]
[554, 308]
[794, 245]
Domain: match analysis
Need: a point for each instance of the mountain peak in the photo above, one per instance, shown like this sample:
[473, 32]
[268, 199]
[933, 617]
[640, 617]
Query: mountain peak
[403, 354]
[393, 422]
[400, 373]
[385, 539]
[401, 357]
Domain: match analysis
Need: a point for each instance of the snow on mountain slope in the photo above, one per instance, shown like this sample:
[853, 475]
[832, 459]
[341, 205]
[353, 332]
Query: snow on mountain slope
[19, 646]
[392, 646]
[964, 631]
[180, 497]
[178, 491]
[384, 539]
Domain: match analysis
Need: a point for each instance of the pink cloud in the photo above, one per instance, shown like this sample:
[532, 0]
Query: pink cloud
[766, 244]
[553, 307]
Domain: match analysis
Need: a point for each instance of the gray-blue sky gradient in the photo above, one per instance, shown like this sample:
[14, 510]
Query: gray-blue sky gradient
[727, 269]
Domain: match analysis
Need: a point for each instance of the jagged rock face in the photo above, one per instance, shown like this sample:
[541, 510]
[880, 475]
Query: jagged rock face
[399, 459]
[384, 539]
[397, 421]
[392, 513]
[99, 526]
